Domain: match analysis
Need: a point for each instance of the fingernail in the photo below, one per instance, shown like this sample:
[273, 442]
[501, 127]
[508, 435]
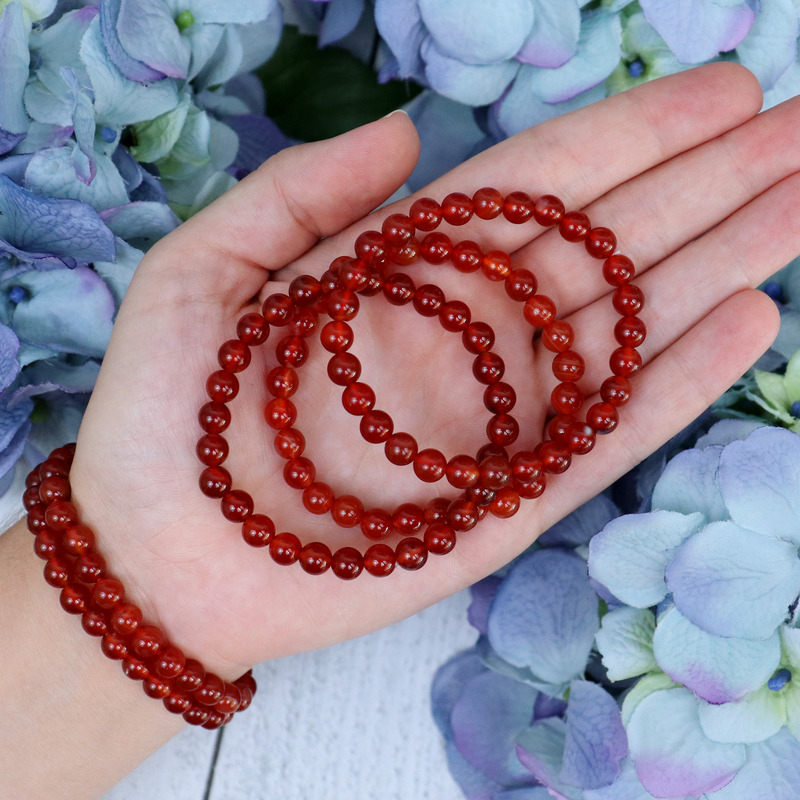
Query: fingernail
[396, 111]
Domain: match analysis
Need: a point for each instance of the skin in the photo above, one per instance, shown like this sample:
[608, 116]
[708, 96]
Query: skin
[704, 197]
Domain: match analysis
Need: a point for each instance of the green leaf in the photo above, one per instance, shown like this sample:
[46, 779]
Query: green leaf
[317, 93]
[155, 138]
[791, 380]
[772, 388]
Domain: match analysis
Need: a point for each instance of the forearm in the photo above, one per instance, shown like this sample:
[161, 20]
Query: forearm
[72, 724]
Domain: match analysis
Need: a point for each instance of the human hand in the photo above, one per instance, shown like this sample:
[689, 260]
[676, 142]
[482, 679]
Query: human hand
[661, 165]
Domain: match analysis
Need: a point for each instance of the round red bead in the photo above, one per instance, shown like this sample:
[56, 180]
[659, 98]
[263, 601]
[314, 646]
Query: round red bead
[439, 539]
[457, 209]
[315, 558]
[425, 214]
[237, 505]
[318, 498]
[285, 548]
[574, 226]
[548, 210]
[400, 449]
[600, 242]
[258, 530]
[430, 465]
[347, 563]
[379, 560]
[488, 203]
[347, 511]
[234, 356]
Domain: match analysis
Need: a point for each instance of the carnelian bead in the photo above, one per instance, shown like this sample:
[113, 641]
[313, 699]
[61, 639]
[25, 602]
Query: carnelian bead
[285, 548]
[210, 690]
[315, 558]
[90, 567]
[482, 512]
[358, 399]
[304, 323]
[625, 361]
[280, 413]
[191, 678]
[630, 331]
[114, 646]
[518, 207]
[318, 498]
[379, 560]
[525, 467]
[75, 598]
[196, 715]
[214, 417]
[555, 457]
[342, 305]
[344, 369]
[603, 417]
[299, 473]
[329, 280]
[454, 316]
[400, 449]
[616, 390]
[457, 209]
[154, 687]
[502, 429]
[234, 356]
[462, 515]
[258, 530]
[558, 336]
[403, 255]
[237, 505]
[347, 511]
[212, 449]
[490, 449]
[54, 488]
[371, 247]
[408, 518]
[574, 226]
[169, 663]
[95, 622]
[31, 498]
[231, 696]
[58, 571]
[425, 214]
[347, 564]
[428, 300]
[32, 479]
[478, 337]
[135, 669]
[557, 427]
[52, 467]
[278, 309]
[305, 291]
[488, 368]
[436, 248]
[466, 256]
[568, 366]
[566, 398]
[488, 203]
[539, 310]
[628, 300]
[376, 426]
[579, 438]
[411, 553]
[47, 544]
[107, 593]
[439, 539]
[148, 641]
[289, 443]
[462, 471]
[618, 270]
[215, 482]
[506, 503]
[495, 472]
[397, 229]
[37, 519]
[125, 618]
[376, 524]
[496, 265]
[375, 285]
[430, 465]
[252, 329]
[177, 702]
[548, 210]
[354, 275]
[78, 539]
[60, 515]
[520, 284]
[600, 242]
[436, 510]
[480, 495]
[336, 337]
[291, 351]
[399, 289]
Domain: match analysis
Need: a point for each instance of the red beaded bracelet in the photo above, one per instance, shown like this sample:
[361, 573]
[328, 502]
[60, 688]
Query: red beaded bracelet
[491, 480]
[87, 588]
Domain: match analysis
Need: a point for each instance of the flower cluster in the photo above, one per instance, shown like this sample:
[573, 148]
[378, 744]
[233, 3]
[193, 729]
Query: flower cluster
[665, 667]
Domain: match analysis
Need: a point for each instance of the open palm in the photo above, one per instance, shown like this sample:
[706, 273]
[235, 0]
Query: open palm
[702, 196]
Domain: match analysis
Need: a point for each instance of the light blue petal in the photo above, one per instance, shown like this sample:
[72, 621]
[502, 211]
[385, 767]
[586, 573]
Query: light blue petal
[625, 641]
[63, 414]
[728, 430]
[754, 718]
[118, 274]
[760, 482]
[341, 17]
[697, 30]
[689, 483]
[732, 581]
[483, 593]
[788, 86]
[249, 90]
[148, 33]
[541, 749]
[51, 174]
[8, 141]
[448, 684]
[473, 84]
[44, 106]
[715, 668]
[12, 453]
[48, 376]
[225, 61]
[626, 787]
[119, 101]
[9, 366]
[630, 555]
[545, 615]
[478, 31]
[595, 741]
[526, 793]
[770, 48]
[400, 24]
[14, 59]
[129, 67]
[772, 771]
[140, 224]
[52, 231]
[472, 782]
[578, 527]
[239, 11]
[672, 755]
[12, 419]
[554, 38]
[39, 135]
[486, 718]
[84, 126]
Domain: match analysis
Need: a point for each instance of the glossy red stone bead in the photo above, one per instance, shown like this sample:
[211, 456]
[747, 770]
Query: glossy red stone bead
[376, 279]
[525, 467]
[376, 524]
[371, 247]
[237, 505]
[299, 473]
[285, 548]
[548, 210]
[625, 361]
[600, 242]
[555, 457]
[462, 515]
[214, 417]
[487, 203]
[31, 498]
[603, 417]
[502, 429]
[496, 265]
[616, 390]
[579, 438]
[628, 300]
[252, 329]
[315, 558]
[197, 715]
[58, 571]
[289, 443]
[280, 413]
[177, 702]
[618, 270]
[506, 503]
[495, 472]
[411, 553]
[347, 563]
[52, 466]
[78, 539]
[47, 544]
[428, 300]
[347, 511]
[148, 641]
[436, 510]
[574, 226]
[135, 668]
[401, 449]
[521, 284]
[212, 449]
[282, 382]
[462, 471]
[457, 208]
[291, 351]
[60, 514]
[558, 336]
[566, 398]
[318, 498]
[402, 256]
[258, 530]
[408, 518]
[539, 310]
[95, 622]
[108, 593]
[305, 291]
[439, 539]
[376, 426]
[336, 337]
[342, 305]
[630, 331]
[114, 646]
[278, 309]
[568, 366]
[37, 519]
[379, 560]
[499, 398]
[425, 214]
[215, 482]
[210, 690]
[231, 697]
[480, 495]
[75, 598]
[344, 369]
[436, 248]
[354, 275]
[454, 316]
[518, 207]
[488, 368]
[490, 449]
[304, 323]
[54, 488]
[466, 256]
[32, 479]
[191, 678]
[399, 289]
[430, 465]
[169, 663]
[398, 229]
[125, 618]
[234, 356]
[358, 399]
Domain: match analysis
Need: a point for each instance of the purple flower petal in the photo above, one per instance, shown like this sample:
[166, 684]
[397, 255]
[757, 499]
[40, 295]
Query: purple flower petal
[473, 783]
[770, 48]
[14, 60]
[400, 24]
[11, 454]
[48, 376]
[554, 38]
[12, 418]
[259, 139]
[541, 749]
[483, 593]
[525, 793]
[626, 787]
[581, 525]
[9, 366]
[131, 68]
[341, 18]
[545, 707]
[8, 141]
[448, 684]
[148, 33]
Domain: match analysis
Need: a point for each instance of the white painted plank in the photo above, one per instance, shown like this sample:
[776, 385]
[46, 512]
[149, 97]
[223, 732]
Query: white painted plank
[351, 721]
